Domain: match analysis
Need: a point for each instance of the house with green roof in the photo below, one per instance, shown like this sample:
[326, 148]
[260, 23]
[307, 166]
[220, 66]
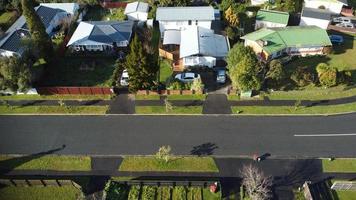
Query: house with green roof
[271, 18]
[271, 43]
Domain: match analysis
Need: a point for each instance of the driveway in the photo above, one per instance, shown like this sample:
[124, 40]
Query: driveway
[216, 104]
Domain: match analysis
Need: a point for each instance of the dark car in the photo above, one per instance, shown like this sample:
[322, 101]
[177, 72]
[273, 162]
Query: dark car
[336, 39]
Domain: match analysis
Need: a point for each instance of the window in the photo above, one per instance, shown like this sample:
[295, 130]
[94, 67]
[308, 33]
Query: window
[190, 22]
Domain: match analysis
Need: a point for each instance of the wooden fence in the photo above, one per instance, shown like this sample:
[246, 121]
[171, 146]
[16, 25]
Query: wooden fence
[74, 90]
[109, 4]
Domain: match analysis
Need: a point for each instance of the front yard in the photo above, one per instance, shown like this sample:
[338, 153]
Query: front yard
[339, 165]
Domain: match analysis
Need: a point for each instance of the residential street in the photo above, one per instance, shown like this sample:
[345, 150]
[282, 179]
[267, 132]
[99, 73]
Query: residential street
[219, 136]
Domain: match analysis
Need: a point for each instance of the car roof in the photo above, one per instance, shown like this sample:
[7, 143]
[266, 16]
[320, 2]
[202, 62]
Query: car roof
[189, 74]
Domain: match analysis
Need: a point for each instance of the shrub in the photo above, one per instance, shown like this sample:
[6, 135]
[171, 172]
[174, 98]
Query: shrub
[197, 85]
[134, 192]
[275, 71]
[302, 76]
[179, 193]
[166, 193]
[148, 192]
[176, 84]
[345, 77]
[164, 153]
[194, 193]
[116, 191]
[327, 75]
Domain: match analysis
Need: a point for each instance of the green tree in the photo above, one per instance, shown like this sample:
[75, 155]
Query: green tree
[141, 69]
[38, 32]
[275, 71]
[327, 75]
[15, 75]
[232, 17]
[225, 4]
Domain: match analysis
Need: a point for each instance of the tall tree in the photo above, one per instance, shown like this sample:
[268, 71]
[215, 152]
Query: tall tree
[257, 184]
[15, 75]
[38, 31]
[141, 72]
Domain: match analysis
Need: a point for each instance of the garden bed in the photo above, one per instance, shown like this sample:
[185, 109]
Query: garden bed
[181, 164]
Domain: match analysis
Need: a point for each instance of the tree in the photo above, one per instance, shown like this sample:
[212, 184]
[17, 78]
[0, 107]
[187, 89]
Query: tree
[225, 4]
[164, 153]
[276, 71]
[142, 70]
[327, 75]
[232, 17]
[37, 29]
[257, 185]
[165, 2]
[14, 74]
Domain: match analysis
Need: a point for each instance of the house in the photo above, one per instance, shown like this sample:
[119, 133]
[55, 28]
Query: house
[315, 17]
[137, 11]
[271, 18]
[258, 2]
[201, 47]
[52, 16]
[101, 35]
[270, 43]
[334, 6]
[180, 18]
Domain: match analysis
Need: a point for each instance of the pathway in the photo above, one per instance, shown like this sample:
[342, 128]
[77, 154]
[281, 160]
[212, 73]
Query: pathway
[122, 104]
[216, 104]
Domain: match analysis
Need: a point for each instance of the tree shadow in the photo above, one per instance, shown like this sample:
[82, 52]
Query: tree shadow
[204, 149]
[12, 163]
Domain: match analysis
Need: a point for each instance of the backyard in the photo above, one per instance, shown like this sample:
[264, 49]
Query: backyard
[7, 19]
[98, 13]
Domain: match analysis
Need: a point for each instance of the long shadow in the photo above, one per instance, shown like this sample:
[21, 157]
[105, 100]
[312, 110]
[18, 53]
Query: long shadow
[204, 149]
[12, 163]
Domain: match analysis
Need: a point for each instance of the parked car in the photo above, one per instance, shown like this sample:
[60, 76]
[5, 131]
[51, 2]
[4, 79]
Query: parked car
[124, 80]
[336, 39]
[187, 77]
[346, 25]
[221, 76]
[342, 20]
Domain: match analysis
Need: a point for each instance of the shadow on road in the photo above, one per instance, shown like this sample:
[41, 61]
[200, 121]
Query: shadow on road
[204, 149]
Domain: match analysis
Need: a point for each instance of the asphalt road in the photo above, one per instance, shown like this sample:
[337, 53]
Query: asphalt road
[220, 136]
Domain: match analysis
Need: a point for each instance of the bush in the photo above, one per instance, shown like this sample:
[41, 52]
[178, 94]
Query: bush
[179, 193]
[302, 77]
[345, 77]
[148, 192]
[194, 193]
[327, 75]
[116, 191]
[166, 192]
[134, 192]
[176, 84]
[197, 85]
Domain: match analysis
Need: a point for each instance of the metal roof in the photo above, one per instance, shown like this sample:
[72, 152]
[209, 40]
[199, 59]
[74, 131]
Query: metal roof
[273, 16]
[14, 41]
[171, 37]
[136, 7]
[316, 13]
[106, 32]
[185, 13]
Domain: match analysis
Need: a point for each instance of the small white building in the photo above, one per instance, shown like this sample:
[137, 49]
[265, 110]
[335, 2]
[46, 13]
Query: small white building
[201, 47]
[137, 11]
[334, 6]
[101, 35]
[315, 17]
[271, 18]
[258, 2]
[180, 18]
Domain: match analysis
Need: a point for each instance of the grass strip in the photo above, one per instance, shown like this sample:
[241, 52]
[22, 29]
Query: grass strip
[40, 193]
[147, 97]
[53, 109]
[187, 97]
[339, 165]
[175, 110]
[46, 162]
[179, 164]
[55, 97]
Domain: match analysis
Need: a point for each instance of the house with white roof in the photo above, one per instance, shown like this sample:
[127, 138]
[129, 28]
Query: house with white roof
[137, 11]
[258, 2]
[101, 35]
[180, 18]
[201, 47]
[316, 17]
[334, 6]
[271, 18]
[52, 16]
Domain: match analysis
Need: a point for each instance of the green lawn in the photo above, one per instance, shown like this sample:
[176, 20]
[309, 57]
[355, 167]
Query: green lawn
[346, 195]
[98, 13]
[339, 165]
[175, 110]
[147, 97]
[56, 97]
[343, 108]
[165, 70]
[314, 93]
[81, 71]
[181, 164]
[40, 193]
[207, 195]
[53, 109]
[7, 19]
[46, 162]
[187, 97]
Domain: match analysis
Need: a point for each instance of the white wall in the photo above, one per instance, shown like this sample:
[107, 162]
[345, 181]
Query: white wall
[262, 24]
[199, 61]
[181, 25]
[306, 21]
[258, 2]
[139, 16]
[334, 7]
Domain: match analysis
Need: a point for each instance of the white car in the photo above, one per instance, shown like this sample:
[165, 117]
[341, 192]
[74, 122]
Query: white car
[124, 80]
[346, 25]
[342, 20]
[187, 77]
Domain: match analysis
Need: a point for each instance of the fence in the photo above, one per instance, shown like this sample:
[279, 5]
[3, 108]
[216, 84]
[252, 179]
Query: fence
[74, 90]
[342, 29]
[109, 4]
[168, 92]
[38, 182]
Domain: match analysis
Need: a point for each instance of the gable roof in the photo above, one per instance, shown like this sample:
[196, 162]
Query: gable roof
[316, 13]
[273, 16]
[106, 32]
[185, 13]
[14, 41]
[277, 39]
[201, 41]
[136, 6]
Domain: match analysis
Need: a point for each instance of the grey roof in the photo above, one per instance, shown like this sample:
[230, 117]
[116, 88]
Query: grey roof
[14, 41]
[46, 14]
[185, 13]
[136, 7]
[316, 13]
